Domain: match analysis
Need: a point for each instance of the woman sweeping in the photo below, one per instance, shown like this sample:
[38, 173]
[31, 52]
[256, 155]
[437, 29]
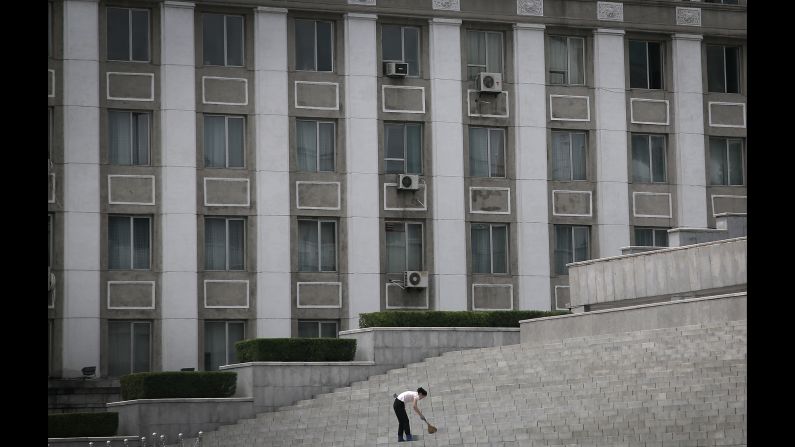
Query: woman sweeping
[407, 397]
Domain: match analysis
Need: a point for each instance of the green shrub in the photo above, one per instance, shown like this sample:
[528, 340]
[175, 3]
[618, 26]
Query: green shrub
[172, 384]
[440, 318]
[78, 425]
[296, 350]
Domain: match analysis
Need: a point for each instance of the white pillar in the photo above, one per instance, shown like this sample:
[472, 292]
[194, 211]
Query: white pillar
[361, 154]
[81, 185]
[273, 172]
[449, 225]
[691, 176]
[532, 216]
[178, 125]
[612, 172]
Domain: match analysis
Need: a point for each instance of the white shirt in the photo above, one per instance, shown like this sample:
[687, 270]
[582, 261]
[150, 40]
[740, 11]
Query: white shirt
[408, 396]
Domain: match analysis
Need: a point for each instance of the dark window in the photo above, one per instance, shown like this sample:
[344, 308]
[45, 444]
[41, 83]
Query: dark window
[723, 69]
[645, 64]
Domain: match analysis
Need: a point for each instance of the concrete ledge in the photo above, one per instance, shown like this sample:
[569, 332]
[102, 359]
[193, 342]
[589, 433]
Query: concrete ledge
[729, 307]
[132, 441]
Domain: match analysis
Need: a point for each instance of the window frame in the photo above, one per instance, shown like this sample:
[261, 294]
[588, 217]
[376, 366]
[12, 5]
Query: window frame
[230, 354]
[724, 68]
[315, 45]
[404, 125]
[486, 46]
[491, 226]
[567, 74]
[226, 117]
[489, 130]
[319, 222]
[651, 157]
[244, 249]
[654, 232]
[558, 227]
[130, 34]
[320, 324]
[552, 165]
[405, 223]
[403, 47]
[132, 343]
[134, 122]
[132, 218]
[647, 67]
[226, 39]
[727, 160]
[317, 122]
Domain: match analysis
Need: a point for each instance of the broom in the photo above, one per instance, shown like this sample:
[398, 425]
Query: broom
[431, 428]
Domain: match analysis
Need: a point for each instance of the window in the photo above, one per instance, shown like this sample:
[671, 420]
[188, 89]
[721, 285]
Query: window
[402, 148]
[224, 141]
[49, 240]
[651, 237]
[222, 37]
[314, 45]
[486, 152]
[566, 60]
[128, 34]
[224, 243]
[723, 2]
[129, 242]
[723, 69]
[129, 347]
[49, 29]
[317, 246]
[315, 143]
[403, 246]
[645, 64]
[485, 53]
[318, 328]
[572, 244]
[49, 133]
[128, 137]
[401, 44]
[725, 161]
[219, 342]
[568, 156]
[489, 248]
[648, 158]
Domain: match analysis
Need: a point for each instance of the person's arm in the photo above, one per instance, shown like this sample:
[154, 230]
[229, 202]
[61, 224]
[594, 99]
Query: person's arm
[417, 409]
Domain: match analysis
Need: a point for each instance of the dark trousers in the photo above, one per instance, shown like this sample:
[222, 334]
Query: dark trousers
[403, 419]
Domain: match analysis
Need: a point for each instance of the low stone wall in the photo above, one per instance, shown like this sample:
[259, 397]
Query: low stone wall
[115, 441]
[81, 396]
[173, 416]
[729, 307]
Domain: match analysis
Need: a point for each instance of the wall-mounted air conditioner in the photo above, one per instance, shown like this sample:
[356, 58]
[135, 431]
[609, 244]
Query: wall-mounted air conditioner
[415, 279]
[489, 82]
[396, 69]
[409, 182]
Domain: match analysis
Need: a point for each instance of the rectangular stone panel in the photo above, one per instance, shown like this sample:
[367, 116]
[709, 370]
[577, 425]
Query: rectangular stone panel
[226, 91]
[569, 108]
[226, 192]
[405, 200]
[562, 297]
[572, 203]
[651, 204]
[397, 298]
[319, 294]
[226, 293]
[131, 294]
[729, 204]
[131, 86]
[403, 99]
[131, 189]
[649, 111]
[51, 83]
[51, 188]
[317, 195]
[727, 114]
[488, 104]
[317, 95]
[492, 296]
[483, 200]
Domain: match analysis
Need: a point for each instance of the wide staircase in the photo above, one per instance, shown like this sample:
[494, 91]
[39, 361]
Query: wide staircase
[682, 386]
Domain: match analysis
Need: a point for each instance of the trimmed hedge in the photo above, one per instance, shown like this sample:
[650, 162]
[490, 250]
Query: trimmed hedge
[441, 318]
[173, 384]
[79, 425]
[296, 350]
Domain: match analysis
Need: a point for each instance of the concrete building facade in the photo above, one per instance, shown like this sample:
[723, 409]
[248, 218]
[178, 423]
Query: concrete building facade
[262, 168]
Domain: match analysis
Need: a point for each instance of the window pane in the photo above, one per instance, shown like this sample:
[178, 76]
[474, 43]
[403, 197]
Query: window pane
[391, 43]
[732, 70]
[478, 152]
[579, 161]
[580, 244]
[326, 146]
[237, 244]
[637, 64]
[497, 152]
[557, 60]
[411, 49]
[215, 244]
[661, 238]
[644, 237]
[641, 163]
[328, 329]
[307, 246]
[328, 247]
[324, 46]
[413, 149]
[236, 332]
[499, 247]
[119, 349]
[308, 329]
[119, 243]
[119, 34]
[236, 146]
[735, 162]
[576, 61]
[476, 54]
[140, 35]
[141, 242]
[481, 252]
[394, 148]
[214, 141]
[141, 146]
[561, 156]
[717, 161]
[655, 65]
[214, 345]
[658, 158]
[304, 45]
[141, 344]
[563, 248]
[715, 69]
[234, 41]
[306, 142]
[119, 137]
[213, 39]
[414, 247]
[395, 247]
[494, 52]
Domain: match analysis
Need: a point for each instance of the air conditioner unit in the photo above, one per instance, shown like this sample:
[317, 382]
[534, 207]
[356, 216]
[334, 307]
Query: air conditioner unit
[396, 69]
[409, 182]
[50, 280]
[414, 279]
[489, 82]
